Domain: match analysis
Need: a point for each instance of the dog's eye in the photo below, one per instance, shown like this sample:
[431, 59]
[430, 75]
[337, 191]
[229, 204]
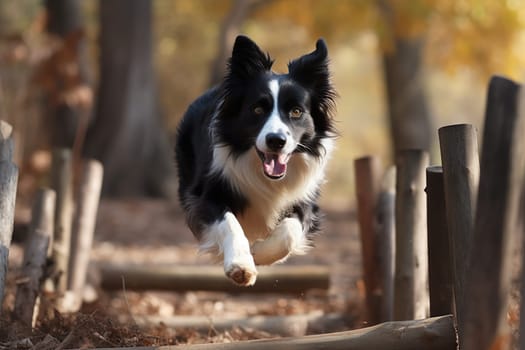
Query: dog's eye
[296, 112]
[258, 110]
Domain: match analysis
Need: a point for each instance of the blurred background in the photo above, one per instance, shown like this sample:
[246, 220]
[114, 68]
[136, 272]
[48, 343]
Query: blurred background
[111, 78]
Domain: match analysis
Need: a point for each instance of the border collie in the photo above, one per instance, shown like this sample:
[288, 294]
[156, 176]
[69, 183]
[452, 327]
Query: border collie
[251, 155]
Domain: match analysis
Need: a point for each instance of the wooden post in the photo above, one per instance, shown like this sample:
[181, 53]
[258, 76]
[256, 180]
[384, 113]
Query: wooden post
[386, 235]
[439, 261]
[367, 178]
[430, 334]
[496, 222]
[8, 186]
[411, 280]
[62, 183]
[459, 155]
[522, 275]
[271, 279]
[86, 216]
[35, 257]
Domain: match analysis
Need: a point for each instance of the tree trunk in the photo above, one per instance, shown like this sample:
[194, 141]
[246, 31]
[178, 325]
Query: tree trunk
[126, 134]
[69, 92]
[409, 116]
[230, 27]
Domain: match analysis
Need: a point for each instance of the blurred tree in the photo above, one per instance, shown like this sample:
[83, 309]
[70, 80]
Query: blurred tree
[230, 28]
[65, 75]
[126, 134]
[410, 121]
[412, 34]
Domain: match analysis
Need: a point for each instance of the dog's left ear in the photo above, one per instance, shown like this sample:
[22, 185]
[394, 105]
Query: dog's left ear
[311, 69]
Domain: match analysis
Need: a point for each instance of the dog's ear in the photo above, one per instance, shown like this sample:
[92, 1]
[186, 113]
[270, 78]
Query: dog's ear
[247, 59]
[311, 69]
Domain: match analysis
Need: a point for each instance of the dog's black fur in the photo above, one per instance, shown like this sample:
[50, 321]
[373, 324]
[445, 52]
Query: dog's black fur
[251, 154]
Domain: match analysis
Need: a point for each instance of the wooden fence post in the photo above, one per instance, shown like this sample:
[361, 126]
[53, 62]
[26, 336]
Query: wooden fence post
[460, 159]
[495, 226]
[62, 183]
[411, 279]
[84, 228]
[8, 186]
[35, 257]
[367, 178]
[522, 275]
[439, 260]
[386, 232]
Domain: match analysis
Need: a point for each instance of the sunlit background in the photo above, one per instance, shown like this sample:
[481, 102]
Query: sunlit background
[464, 43]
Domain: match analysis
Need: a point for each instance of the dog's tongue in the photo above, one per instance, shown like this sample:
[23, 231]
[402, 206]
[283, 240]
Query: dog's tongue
[275, 164]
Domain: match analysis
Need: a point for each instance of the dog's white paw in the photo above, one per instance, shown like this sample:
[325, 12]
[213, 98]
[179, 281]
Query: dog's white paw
[243, 275]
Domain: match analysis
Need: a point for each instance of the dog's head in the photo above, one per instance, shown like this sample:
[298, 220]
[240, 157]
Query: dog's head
[278, 115]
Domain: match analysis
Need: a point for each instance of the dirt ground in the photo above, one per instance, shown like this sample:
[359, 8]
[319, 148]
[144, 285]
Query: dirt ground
[154, 232]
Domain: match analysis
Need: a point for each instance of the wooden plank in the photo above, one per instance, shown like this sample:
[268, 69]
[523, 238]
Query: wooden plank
[430, 334]
[367, 179]
[8, 186]
[84, 228]
[439, 260]
[271, 279]
[496, 223]
[62, 183]
[411, 299]
[522, 273]
[35, 257]
[385, 223]
[459, 155]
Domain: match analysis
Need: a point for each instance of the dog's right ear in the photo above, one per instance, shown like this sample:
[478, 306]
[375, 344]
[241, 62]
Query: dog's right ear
[247, 59]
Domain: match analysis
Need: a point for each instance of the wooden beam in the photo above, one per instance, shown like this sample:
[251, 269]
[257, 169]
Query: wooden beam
[460, 159]
[502, 171]
[411, 299]
[430, 334]
[385, 222]
[84, 228]
[367, 179]
[8, 186]
[35, 257]
[439, 261]
[271, 279]
[62, 183]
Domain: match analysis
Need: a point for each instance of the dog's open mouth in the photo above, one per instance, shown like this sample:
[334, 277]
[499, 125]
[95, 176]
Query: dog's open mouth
[274, 164]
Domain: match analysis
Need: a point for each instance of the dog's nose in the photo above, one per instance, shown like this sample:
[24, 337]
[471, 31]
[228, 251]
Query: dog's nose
[275, 141]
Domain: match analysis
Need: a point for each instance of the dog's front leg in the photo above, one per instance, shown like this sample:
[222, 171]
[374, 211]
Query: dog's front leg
[228, 234]
[287, 239]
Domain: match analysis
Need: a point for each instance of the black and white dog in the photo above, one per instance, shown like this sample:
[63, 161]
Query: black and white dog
[251, 155]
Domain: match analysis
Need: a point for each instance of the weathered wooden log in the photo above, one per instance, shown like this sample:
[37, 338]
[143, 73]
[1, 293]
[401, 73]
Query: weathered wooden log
[439, 261]
[430, 334]
[367, 180]
[411, 299]
[62, 183]
[522, 275]
[35, 257]
[84, 228]
[8, 186]
[385, 222]
[460, 159]
[287, 326]
[271, 279]
[502, 171]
